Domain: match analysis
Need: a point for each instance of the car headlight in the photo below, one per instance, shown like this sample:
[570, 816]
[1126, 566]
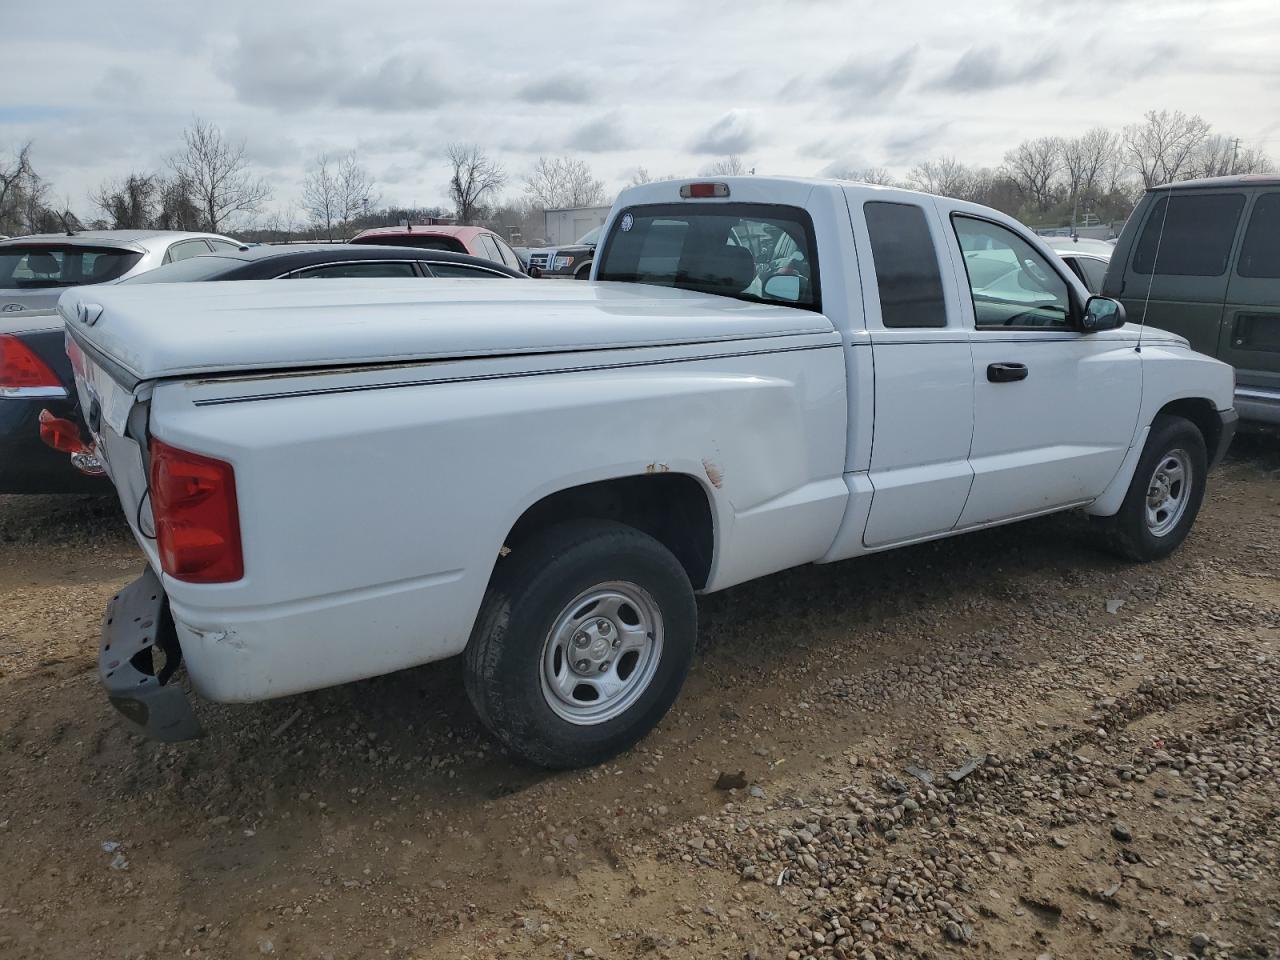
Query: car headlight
[562, 262]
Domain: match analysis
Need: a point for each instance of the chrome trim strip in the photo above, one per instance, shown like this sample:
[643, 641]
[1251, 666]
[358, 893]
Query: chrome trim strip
[32, 393]
[1258, 393]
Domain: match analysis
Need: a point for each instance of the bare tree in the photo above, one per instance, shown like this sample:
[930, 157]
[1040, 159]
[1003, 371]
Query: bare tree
[217, 172]
[321, 195]
[1160, 148]
[730, 166]
[356, 193]
[475, 175]
[178, 209]
[1033, 165]
[874, 175]
[1088, 161]
[640, 177]
[13, 175]
[129, 203]
[945, 176]
[1220, 156]
[563, 182]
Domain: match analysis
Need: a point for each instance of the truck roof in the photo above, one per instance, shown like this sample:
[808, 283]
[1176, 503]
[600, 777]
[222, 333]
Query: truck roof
[1236, 180]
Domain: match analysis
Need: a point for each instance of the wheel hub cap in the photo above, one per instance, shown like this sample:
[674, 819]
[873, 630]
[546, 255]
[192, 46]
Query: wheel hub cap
[1168, 492]
[601, 653]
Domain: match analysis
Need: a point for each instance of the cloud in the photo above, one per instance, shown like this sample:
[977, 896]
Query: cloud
[732, 133]
[911, 144]
[561, 88]
[600, 135]
[982, 68]
[305, 71]
[868, 77]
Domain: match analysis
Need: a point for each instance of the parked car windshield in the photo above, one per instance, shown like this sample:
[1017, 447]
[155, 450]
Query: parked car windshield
[32, 266]
[758, 252]
[184, 271]
[590, 238]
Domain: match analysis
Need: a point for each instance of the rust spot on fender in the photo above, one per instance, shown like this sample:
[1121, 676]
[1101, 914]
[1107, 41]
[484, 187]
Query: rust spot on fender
[657, 468]
[714, 473]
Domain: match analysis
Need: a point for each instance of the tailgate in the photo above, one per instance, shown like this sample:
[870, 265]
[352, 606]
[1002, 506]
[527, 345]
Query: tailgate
[116, 418]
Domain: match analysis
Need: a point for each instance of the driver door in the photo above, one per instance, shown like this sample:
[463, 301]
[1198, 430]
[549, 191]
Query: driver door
[1054, 409]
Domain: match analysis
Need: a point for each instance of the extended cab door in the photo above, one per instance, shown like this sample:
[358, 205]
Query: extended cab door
[1054, 409]
[923, 372]
[1251, 319]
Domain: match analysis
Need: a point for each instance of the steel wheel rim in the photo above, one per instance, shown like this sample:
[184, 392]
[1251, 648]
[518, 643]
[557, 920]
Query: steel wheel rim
[1168, 492]
[601, 653]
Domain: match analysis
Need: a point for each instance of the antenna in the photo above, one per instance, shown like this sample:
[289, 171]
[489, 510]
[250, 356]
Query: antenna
[66, 226]
[1146, 302]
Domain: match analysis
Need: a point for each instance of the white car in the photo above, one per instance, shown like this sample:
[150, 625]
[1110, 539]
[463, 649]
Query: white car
[1088, 259]
[333, 481]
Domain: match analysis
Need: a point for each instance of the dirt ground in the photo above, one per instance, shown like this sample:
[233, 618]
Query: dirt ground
[1002, 745]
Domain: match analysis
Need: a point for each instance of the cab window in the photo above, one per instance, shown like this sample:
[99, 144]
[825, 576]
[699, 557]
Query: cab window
[906, 261]
[758, 252]
[1011, 283]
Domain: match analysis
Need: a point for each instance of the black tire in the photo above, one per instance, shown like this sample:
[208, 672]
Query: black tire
[1129, 533]
[584, 272]
[530, 592]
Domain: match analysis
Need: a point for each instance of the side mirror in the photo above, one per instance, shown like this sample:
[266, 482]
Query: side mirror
[783, 286]
[1102, 313]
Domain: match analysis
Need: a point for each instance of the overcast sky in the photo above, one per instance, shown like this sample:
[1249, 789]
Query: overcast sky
[793, 86]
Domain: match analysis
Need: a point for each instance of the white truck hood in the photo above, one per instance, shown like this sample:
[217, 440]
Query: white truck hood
[152, 331]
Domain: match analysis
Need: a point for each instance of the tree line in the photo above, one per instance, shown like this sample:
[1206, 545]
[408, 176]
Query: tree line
[208, 184]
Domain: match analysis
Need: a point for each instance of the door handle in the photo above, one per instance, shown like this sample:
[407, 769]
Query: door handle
[1006, 372]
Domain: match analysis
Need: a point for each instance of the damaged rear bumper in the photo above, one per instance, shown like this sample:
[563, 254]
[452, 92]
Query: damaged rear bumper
[137, 659]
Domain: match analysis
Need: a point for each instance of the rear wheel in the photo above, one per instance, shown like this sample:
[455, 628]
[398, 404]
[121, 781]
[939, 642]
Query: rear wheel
[582, 644]
[1165, 494]
[584, 272]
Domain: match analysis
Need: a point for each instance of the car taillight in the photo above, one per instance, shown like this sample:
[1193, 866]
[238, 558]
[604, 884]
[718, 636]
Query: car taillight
[22, 368]
[60, 433]
[702, 190]
[197, 521]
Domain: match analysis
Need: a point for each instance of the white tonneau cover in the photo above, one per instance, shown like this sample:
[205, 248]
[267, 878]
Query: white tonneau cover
[166, 330]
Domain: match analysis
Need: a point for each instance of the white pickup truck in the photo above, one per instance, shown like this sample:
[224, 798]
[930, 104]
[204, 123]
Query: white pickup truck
[342, 479]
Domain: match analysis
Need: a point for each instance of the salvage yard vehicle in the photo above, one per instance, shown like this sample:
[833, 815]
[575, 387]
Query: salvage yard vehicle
[572, 261]
[1201, 258]
[477, 241]
[328, 261]
[34, 372]
[543, 476]
[1087, 259]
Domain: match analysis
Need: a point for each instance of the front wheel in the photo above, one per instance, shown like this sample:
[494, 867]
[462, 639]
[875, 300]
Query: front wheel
[582, 643]
[1165, 494]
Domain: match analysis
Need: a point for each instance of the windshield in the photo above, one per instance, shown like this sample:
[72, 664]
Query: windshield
[590, 238]
[749, 251]
[32, 266]
[206, 267]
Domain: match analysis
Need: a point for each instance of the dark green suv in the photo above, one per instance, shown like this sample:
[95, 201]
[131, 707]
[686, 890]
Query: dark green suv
[1202, 258]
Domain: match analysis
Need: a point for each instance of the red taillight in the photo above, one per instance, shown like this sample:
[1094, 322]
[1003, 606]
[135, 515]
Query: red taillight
[60, 433]
[21, 367]
[193, 500]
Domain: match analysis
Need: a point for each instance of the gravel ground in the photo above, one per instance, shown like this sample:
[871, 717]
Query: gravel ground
[1003, 745]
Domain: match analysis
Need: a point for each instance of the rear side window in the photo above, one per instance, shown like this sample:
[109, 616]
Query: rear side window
[489, 249]
[758, 252]
[906, 262]
[1260, 254]
[1198, 230]
[30, 267]
[369, 269]
[439, 268]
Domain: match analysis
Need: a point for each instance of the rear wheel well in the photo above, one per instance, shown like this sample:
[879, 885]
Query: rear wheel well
[1200, 412]
[670, 507]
